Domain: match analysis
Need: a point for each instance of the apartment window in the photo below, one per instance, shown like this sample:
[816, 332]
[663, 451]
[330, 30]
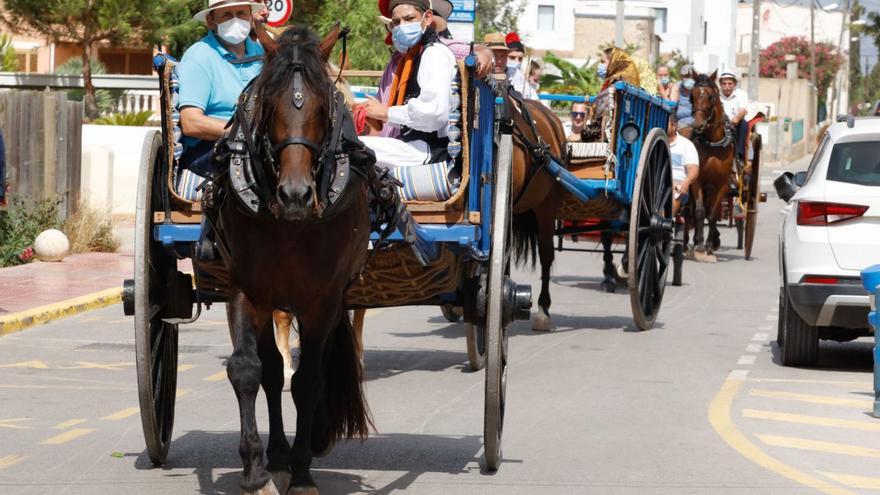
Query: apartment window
[546, 17]
[660, 20]
[27, 60]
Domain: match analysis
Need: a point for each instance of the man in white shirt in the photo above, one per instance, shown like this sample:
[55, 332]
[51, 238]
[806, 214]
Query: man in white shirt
[418, 100]
[735, 102]
[685, 164]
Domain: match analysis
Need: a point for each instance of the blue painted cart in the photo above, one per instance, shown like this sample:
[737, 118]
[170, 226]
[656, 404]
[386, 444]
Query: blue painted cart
[465, 240]
[871, 283]
[622, 182]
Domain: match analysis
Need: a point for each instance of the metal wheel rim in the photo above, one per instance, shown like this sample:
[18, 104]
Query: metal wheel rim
[155, 341]
[648, 260]
[496, 336]
[476, 346]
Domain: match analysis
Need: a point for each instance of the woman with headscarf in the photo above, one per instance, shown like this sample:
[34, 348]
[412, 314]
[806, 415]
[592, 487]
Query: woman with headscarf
[616, 66]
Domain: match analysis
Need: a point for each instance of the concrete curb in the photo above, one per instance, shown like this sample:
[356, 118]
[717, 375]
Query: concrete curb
[16, 322]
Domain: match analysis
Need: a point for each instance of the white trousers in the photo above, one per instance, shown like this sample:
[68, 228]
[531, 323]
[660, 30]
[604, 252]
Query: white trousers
[392, 153]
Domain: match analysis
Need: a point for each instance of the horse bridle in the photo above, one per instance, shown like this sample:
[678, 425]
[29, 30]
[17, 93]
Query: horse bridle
[713, 101]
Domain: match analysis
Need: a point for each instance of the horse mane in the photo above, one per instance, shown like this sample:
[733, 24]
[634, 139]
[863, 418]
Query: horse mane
[277, 74]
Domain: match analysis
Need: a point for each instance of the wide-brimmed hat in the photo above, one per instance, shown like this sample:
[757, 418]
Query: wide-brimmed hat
[495, 41]
[219, 4]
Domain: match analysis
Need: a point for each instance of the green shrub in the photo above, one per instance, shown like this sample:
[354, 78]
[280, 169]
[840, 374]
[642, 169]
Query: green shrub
[90, 230]
[21, 223]
[131, 119]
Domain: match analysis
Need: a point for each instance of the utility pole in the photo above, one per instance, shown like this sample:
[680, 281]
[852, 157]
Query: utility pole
[837, 90]
[755, 51]
[814, 103]
[618, 39]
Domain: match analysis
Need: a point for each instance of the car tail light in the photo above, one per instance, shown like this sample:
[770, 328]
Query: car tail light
[816, 279]
[816, 213]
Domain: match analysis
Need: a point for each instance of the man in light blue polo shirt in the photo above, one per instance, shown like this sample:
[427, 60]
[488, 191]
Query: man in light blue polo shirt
[213, 72]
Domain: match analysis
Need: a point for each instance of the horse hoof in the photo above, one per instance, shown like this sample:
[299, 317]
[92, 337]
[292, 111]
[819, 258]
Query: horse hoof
[541, 323]
[267, 489]
[609, 286]
[282, 479]
[303, 490]
[621, 271]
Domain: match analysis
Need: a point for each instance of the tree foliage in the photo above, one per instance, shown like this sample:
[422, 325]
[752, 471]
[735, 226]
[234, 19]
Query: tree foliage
[87, 22]
[497, 16]
[572, 80]
[367, 50]
[8, 60]
[828, 61]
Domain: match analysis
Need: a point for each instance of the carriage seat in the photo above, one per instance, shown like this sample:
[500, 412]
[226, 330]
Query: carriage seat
[593, 159]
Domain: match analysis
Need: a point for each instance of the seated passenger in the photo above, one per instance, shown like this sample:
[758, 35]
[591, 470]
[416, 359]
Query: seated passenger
[685, 164]
[515, 58]
[681, 94]
[617, 65]
[419, 96]
[574, 129]
[212, 74]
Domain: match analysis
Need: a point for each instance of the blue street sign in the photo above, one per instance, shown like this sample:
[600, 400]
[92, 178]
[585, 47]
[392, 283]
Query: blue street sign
[462, 16]
[463, 11]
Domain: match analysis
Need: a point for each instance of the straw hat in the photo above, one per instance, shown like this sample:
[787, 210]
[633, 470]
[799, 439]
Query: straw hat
[219, 4]
[495, 41]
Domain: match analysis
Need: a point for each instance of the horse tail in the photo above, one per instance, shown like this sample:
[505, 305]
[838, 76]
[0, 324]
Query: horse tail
[525, 238]
[347, 410]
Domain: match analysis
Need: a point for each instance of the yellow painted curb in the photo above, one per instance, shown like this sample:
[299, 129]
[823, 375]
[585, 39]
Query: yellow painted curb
[16, 322]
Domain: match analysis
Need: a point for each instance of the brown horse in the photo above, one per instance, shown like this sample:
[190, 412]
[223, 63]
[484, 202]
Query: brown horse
[717, 149]
[298, 259]
[537, 196]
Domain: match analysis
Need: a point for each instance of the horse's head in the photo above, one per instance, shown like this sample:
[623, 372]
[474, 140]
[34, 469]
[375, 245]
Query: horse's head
[704, 100]
[293, 109]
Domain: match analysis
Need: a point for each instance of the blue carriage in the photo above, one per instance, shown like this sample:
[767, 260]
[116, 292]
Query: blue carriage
[457, 254]
[620, 181]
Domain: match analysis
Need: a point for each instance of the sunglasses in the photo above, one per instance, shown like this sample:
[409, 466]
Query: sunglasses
[578, 115]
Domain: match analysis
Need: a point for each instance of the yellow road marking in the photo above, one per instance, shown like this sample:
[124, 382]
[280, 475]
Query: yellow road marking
[38, 365]
[185, 367]
[67, 424]
[853, 481]
[182, 391]
[125, 413]
[719, 416]
[44, 314]
[6, 423]
[216, 377]
[10, 460]
[819, 446]
[865, 384]
[810, 398]
[811, 420]
[86, 365]
[67, 436]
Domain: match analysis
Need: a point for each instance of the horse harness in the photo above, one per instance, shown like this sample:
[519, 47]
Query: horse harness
[728, 139]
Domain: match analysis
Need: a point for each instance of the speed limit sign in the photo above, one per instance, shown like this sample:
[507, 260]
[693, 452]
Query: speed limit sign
[279, 12]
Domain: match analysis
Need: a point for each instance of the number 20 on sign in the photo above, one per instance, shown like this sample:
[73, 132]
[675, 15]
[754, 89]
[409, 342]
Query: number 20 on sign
[279, 12]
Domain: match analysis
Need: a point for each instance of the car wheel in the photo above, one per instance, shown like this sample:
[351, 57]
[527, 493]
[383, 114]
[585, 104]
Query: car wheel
[800, 342]
[780, 320]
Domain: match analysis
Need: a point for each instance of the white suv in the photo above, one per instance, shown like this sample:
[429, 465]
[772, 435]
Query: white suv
[830, 233]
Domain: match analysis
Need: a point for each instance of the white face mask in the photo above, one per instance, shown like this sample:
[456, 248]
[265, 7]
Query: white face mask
[234, 31]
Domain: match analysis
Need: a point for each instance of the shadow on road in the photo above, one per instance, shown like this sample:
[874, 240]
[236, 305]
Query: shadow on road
[408, 456]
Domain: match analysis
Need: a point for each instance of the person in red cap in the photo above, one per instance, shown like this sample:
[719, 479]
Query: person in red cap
[418, 98]
[515, 58]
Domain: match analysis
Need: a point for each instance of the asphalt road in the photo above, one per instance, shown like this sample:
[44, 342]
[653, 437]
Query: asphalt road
[700, 404]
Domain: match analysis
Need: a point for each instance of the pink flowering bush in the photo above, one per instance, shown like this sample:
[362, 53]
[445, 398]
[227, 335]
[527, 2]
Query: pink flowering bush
[828, 60]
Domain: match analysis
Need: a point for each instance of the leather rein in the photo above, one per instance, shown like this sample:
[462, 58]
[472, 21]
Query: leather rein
[727, 140]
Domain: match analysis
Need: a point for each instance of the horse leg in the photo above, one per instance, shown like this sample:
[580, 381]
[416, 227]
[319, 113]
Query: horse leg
[273, 382]
[283, 324]
[546, 230]
[245, 371]
[609, 271]
[357, 325]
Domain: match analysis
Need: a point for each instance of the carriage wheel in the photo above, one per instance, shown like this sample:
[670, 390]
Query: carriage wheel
[155, 340]
[496, 334]
[678, 255]
[754, 196]
[740, 225]
[650, 230]
[475, 337]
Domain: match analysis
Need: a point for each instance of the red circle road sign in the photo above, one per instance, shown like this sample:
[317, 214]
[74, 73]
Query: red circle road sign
[279, 12]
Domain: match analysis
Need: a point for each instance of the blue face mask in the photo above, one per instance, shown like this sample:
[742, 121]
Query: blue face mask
[513, 64]
[688, 84]
[602, 71]
[406, 36]
[664, 81]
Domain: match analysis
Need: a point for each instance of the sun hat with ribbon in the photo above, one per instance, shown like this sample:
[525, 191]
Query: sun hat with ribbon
[219, 4]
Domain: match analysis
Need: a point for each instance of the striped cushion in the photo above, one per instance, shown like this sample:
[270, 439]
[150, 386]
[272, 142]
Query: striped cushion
[589, 150]
[430, 182]
[187, 185]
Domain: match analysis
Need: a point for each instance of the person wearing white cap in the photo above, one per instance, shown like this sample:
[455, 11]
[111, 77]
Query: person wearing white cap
[212, 74]
[736, 103]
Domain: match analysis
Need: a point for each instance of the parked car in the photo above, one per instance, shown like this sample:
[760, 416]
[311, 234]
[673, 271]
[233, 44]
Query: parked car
[830, 233]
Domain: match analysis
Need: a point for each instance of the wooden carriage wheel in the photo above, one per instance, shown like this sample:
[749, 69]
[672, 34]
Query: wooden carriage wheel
[496, 331]
[753, 198]
[650, 229]
[155, 340]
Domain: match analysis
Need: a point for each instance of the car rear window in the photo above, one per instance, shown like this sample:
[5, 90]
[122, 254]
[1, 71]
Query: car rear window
[855, 163]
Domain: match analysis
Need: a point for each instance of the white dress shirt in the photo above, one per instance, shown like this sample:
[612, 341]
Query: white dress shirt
[429, 112]
[738, 100]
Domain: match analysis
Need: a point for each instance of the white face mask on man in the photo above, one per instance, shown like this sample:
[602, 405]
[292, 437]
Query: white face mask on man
[234, 31]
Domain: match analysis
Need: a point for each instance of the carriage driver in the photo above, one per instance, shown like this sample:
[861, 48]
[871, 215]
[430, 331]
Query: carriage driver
[685, 164]
[213, 72]
[735, 102]
[418, 99]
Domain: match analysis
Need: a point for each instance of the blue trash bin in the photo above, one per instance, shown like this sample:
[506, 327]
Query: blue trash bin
[871, 283]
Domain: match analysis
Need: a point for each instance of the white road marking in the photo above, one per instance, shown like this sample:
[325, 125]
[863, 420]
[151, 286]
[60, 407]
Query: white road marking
[771, 317]
[760, 337]
[738, 375]
[746, 360]
[753, 348]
